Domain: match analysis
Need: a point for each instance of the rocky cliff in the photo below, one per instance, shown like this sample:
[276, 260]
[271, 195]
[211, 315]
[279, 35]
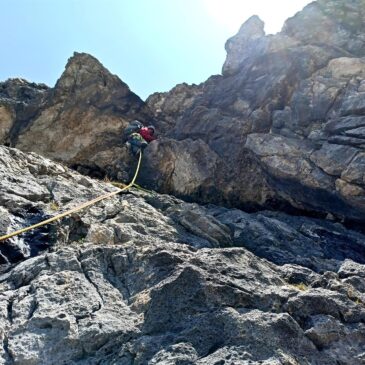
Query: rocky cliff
[271, 270]
[145, 278]
[79, 122]
[282, 127]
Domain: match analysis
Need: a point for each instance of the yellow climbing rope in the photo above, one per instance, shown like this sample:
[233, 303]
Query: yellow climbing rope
[78, 208]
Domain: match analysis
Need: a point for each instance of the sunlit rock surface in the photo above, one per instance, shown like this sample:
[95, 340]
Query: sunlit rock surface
[80, 121]
[283, 127]
[285, 122]
[147, 278]
[270, 270]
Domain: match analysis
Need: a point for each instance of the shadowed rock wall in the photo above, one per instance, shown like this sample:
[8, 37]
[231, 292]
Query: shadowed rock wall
[282, 128]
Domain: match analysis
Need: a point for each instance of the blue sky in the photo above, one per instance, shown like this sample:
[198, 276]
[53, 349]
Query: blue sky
[152, 45]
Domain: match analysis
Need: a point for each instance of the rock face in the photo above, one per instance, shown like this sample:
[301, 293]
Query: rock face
[149, 279]
[81, 120]
[20, 101]
[285, 122]
[281, 128]
[145, 278]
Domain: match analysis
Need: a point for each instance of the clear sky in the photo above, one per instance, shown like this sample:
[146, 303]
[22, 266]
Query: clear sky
[152, 45]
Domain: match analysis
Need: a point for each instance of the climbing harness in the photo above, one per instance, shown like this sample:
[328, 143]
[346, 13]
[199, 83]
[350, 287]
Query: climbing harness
[78, 208]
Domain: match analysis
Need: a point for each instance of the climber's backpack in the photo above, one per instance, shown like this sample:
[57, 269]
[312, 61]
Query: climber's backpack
[133, 127]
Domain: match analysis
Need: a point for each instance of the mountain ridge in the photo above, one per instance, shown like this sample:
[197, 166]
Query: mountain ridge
[261, 262]
[282, 127]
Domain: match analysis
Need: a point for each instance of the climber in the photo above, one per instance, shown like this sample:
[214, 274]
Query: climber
[137, 136]
[148, 133]
[133, 127]
[136, 143]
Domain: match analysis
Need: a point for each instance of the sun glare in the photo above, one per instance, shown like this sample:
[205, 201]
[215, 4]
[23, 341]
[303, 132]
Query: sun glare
[232, 13]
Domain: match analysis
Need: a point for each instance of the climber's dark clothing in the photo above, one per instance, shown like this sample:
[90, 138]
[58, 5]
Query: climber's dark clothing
[137, 143]
[132, 127]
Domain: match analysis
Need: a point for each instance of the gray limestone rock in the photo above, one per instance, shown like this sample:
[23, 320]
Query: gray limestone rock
[145, 278]
[300, 91]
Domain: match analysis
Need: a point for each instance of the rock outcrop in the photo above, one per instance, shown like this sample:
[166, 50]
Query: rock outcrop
[145, 278]
[20, 101]
[269, 272]
[81, 120]
[285, 122]
[281, 128]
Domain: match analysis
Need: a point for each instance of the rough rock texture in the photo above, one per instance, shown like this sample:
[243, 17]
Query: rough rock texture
[281, 128]
[145, 278]
[20, 101]
[285, 122]
[80, 121]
